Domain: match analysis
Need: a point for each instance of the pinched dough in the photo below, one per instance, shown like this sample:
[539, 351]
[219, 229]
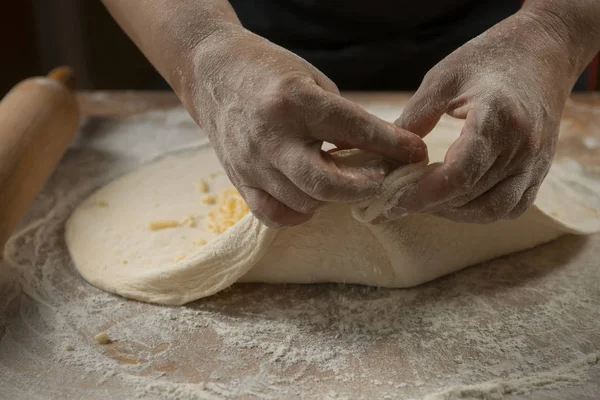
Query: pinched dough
[114, 250]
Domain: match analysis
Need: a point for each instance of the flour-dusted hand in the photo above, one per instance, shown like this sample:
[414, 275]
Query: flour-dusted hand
[510, 84]
[268, 112]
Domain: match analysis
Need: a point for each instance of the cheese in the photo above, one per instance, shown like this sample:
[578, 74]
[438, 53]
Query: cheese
[209, 199]
[202, 186]
[158, 225]
[189, 221]
[230, 208]
[102, 338]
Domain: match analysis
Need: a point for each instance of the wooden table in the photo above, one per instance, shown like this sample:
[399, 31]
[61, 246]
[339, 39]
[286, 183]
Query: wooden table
[582, 113]
[534, 313]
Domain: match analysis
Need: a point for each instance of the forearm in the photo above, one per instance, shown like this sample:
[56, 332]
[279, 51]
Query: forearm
[166, 30]
[575, 24]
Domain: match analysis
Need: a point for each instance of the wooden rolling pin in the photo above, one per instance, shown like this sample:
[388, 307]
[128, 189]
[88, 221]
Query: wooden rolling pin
[38, 119]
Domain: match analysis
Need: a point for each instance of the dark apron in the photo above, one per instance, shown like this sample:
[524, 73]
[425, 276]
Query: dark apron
[376, 44]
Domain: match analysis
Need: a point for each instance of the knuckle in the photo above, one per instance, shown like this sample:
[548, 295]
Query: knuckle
[503, 206]
[505, 113]
[325, 82]
[433, 75]
[515, 126]
[500, 206]
[242, 167]
[523, 204]
[262, 206]
[429, 79]
[271, 215]
[447, 81]
[274, 105]
[500, 107]
[319, 184]
[496, 208]
[277, 101]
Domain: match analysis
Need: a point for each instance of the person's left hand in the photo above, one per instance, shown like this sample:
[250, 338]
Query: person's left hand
[510, 84]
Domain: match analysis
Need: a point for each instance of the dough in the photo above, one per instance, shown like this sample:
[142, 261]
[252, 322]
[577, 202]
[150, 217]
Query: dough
[102, 338]
[142, 236]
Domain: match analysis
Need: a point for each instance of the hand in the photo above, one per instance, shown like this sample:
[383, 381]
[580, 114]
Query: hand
[510, 84]
[267, 113]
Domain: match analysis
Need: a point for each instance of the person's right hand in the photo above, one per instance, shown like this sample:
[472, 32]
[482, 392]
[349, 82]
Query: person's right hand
[267, 113]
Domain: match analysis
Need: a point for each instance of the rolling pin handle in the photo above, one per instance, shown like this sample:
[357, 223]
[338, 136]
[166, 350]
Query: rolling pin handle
[64, 75]
[38, 119]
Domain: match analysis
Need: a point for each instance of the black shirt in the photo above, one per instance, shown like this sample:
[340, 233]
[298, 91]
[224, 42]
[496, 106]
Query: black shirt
[376, 44]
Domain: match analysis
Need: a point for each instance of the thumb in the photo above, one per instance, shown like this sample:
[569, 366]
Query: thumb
[427, 105]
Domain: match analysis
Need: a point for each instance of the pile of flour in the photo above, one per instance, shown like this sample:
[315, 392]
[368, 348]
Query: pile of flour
[528, 323]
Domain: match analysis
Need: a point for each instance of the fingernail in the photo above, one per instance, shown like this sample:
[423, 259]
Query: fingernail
[417, 154]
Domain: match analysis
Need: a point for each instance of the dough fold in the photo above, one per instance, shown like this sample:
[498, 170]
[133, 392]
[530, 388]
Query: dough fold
[114, 250]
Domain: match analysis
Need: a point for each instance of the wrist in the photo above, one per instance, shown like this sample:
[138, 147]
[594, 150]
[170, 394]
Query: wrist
[545, 52]
[200, 58]
[167, 31]
[200, 78]
[572, 26]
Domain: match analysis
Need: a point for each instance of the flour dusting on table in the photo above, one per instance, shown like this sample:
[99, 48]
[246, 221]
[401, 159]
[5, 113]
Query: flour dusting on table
[518, 325]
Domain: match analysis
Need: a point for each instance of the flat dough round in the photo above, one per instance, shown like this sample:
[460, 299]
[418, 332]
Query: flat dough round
[114, 248]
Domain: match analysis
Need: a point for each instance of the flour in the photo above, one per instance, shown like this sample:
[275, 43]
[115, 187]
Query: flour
[591, 142]
[534, 315]
[520, 385]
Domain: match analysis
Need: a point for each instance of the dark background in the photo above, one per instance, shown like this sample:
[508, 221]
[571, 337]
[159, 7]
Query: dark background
[36, 36]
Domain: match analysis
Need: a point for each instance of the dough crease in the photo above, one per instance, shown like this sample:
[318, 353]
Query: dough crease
[112, 248]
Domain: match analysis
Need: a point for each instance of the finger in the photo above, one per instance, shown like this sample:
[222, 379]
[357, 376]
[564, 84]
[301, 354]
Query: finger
[320, 176]
[493, 205]
[428, 104]
[333, 119]
[324, 82]
[282, 189]
[269, 210]
[526, 202]
[466, 162]
[497, 173]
